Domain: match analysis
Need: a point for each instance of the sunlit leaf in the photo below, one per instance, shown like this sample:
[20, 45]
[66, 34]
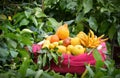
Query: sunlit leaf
[12, 43]
[90, 71]
[39, 14]
[13, 53]
[87, 4]
[26, 31]
[18, 17]
[55, 57]
[28, 13]
[39, 73]
[24, 67]
[97, 55]
[93, 23]
[24, 22]
[98, 58]
[34, 20]
[53, 21]
[44, 59]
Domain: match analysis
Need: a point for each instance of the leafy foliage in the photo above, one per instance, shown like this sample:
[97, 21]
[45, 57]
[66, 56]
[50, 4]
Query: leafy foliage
[27, 23]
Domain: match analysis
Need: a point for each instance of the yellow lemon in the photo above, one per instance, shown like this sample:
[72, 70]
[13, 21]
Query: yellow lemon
[75, 41]
[70, 47]
[68, 52]
[51, 46]
[61, 49]
[55, 44]
[46, 44]
[78, 49]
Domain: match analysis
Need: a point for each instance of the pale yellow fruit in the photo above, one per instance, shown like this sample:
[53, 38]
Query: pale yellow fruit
[55, 44]
[70, 47]
[78, 49]
[60, 42]
[75, 41]
[51, 46]
[61, 49]
[68, 52]
[46, 44]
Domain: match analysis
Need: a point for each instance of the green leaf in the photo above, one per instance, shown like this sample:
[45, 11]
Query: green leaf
[23, 53]
[90, 71]
[28, 13]
[11, 35]
[104, 27]
[55, 57]
[3, 17]
[3, 52]
[30, 73]
[97, 55]
[13, 53]
[79, 17]
[26, 31]
[39, 73]
[18, 17]
[69, 75]
[111, 32]
[34, 20]
[87, 4]
[44, 59]
[24, 67]
[71, 5]
[26, 40]
[39, 14]
[53, 21]
[118, 37]
[93, 23]
[99, 74]
[98, 58]
[24, 22]
[40, 61]
[12, 43]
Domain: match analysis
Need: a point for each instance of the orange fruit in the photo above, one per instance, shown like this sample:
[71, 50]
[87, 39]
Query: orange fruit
[63, 32]
[66, 42]
[54, 38]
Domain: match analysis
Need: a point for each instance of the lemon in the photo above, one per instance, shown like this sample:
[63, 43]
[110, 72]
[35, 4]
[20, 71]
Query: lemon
[75, 41]
[69, 47]
[61, 49]
[78, 49]
[46, 44]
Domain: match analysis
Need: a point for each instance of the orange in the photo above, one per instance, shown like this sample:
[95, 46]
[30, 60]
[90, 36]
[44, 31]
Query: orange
[54, 38]
[63, 32]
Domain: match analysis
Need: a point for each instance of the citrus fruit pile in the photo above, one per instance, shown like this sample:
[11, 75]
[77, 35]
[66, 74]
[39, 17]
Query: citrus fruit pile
[72, 45]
